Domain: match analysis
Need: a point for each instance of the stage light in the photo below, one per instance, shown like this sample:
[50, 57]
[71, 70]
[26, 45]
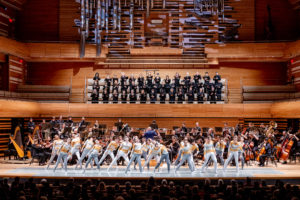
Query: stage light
[10, 20]
[21, 61]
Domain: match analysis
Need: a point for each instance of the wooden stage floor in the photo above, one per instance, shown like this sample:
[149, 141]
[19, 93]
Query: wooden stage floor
[288, 171]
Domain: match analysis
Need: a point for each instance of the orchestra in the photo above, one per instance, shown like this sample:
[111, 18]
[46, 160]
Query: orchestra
[239, 145]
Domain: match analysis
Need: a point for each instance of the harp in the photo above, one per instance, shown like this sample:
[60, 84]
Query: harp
[17, 147]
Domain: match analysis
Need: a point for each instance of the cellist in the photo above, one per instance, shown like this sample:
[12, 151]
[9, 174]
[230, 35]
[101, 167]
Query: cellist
[265, 153]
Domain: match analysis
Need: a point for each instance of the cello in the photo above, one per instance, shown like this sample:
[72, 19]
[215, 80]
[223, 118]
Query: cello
[286, 150]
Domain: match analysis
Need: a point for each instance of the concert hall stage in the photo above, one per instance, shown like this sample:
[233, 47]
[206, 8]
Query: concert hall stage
[290, 171]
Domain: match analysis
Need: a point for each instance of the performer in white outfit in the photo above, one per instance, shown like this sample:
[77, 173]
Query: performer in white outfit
[113, 145]
[136, 153]
[123, 152]
[75, 144]
[55, 148]
[87, 146]
[154, 153]
[93, 155]
[233, 151]
[63, 154]
[186, 151]
[209, 153]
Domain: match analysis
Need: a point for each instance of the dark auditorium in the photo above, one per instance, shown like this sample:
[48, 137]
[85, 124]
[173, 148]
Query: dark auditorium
[149, 99]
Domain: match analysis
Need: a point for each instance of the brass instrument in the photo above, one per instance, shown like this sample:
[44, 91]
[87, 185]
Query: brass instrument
[17, 147]
[272, 126]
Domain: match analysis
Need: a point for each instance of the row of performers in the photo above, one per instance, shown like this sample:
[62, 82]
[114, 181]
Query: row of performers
[150, 82]
[176, 152]
[192, 94]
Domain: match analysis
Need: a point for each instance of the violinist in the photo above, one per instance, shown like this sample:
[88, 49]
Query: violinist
[265, 153]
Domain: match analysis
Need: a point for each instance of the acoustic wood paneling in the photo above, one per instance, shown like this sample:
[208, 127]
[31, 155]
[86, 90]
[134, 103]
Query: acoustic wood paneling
[237, 74]
[12, 47]
[17, 72]
[39, 21]
[5, 132]
[68, 12]
[294, 71]
[27, 109]
[7, 21]
[286, 109]
[285, 20]
[245, 14]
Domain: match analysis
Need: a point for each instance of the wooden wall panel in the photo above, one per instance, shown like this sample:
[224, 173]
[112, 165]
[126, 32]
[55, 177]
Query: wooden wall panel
[26, 109]
[245, 14]
[68, 11]
[237, 74]
[285, 20]
[17, 72]
[5, 132]
[286, 109]
[39, 21]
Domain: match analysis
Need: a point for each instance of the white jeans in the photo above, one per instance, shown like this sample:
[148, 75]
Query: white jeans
[150, 158]
[76, 152]
[106, 153]
[234, 154]
[210, 155]
[119, 155]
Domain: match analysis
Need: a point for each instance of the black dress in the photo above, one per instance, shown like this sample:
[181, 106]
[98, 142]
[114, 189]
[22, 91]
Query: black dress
[143, 98]
[95, 97]
[124, 98]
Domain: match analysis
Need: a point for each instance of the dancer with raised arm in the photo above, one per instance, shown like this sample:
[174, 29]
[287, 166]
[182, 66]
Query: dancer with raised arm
[186, 151]
[123, 152]
[209, 153]
[93, 155]
[87, 146]
[57, 143]
[113, 145]
[63, 154]
[154, 153]
[233, 151]
[136, 153]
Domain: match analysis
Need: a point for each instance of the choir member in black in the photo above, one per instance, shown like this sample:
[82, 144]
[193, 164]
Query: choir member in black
[115, 86]
[124, 88]
[190, 95]
[217, 78]
[123, 79]
[212, 95]
[197, 78]
[131, 83]
[157, 86]
[96, 86]
[180, 96]
[200, 95]
[172, 96]
[206, 79]
[187, 81]
[97, 77]
[149, 81]
[218, 87]
[177, 81]
[157, 79]
[143, 96]
[141, 81]
[167, 84]
[108, 81]
[124, 97]
[115, 78]
[268, 152]
[95, 96]
[132, 97]
[162, 96]
[153, 96]
[82, 123]
[105, 96]
[31, 125]
[115, 96]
